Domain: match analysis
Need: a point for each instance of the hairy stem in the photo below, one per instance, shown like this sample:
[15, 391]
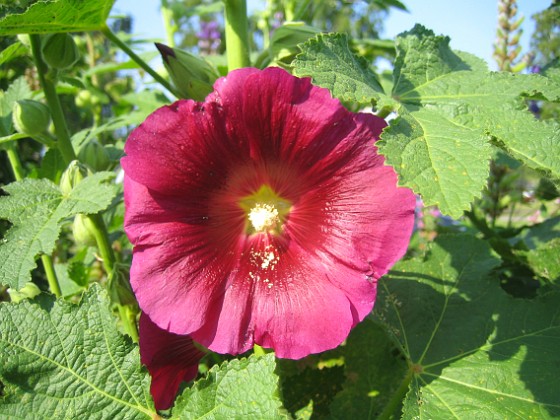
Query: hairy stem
[48, 266]
[116, 40]
[398, 396]
[63, 143]
[237, 38]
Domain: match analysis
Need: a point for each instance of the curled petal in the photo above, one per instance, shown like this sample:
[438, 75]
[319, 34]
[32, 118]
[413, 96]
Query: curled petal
[170, 359]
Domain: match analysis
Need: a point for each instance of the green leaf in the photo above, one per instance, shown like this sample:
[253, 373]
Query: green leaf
[374, 370]
[545, 260]
[37, 208]
[473, 350]
[443, 161]
[17, 49]
[328, 59]
[66, 361]
[241, 388]
[58, 16]
[453, 105]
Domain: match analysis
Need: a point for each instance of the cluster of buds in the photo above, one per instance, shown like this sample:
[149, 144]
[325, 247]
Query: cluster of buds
[507, 47]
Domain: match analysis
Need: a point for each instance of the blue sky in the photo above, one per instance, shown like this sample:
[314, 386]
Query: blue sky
[471, 24]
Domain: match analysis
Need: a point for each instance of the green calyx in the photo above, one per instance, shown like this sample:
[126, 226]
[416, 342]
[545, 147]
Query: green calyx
[72, 176]
[31, 117]
[60, 51]
[192, 76]
[94, 155]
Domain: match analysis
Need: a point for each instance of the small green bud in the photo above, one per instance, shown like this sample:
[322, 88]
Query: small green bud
[83, 230]
[285, 40]
[29, 291]
[192, 76]
[94, 155]
[60, 51]
[31, 117]
[72, 176]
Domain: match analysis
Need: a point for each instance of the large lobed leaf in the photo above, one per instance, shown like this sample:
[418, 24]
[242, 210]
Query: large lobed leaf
[474, 351]
[37, 208]
[331, 63]
[451, 109]
[242, 388]
[66, 361]
[58, 16]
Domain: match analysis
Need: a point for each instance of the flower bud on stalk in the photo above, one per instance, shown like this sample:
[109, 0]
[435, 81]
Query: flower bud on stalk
[192, 76]
[60, 51]
[31, 117]
[72, 176]
[95, 156]
[83, 230]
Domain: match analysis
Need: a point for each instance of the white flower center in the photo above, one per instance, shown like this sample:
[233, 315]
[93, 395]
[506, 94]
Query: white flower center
[263, 217]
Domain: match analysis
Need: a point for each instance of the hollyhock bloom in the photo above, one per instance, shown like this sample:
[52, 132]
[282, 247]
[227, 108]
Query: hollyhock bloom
[170, 359]
[262, 215]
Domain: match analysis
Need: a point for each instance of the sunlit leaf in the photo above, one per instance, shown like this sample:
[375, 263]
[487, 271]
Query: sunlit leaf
[58, 16]
[37, 208]
[67, 361]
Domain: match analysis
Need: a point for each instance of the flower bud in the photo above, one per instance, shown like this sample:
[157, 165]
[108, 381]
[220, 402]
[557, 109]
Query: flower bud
[29, 291]
[60, 51]
[192, 76]
[72, 176]
[83, 230]
[31, 117]
[94, 155]
[285, 40]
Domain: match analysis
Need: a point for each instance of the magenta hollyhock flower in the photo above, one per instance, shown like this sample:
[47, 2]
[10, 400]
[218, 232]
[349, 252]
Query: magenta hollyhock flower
[262, 215]
[170, 359]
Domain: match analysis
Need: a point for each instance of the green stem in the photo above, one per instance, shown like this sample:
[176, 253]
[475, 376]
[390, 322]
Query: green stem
[115, 39]
[103, 244]
[101, 235]
[48, 266]
[19, 174]
[64, 142]
[398, 396]
[128, 319]
[15, 163]
[168, 24]
[237, 37]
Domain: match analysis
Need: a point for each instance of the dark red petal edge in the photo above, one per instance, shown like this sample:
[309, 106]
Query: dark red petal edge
[170, 359]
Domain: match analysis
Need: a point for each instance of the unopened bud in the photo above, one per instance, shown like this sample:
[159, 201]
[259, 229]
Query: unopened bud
[60, 51]
[95, 156]
[72, 176]
[83, 230]
[192, 76]
[31, 117]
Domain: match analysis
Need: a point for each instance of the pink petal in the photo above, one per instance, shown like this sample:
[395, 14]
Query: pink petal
[170, 359]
